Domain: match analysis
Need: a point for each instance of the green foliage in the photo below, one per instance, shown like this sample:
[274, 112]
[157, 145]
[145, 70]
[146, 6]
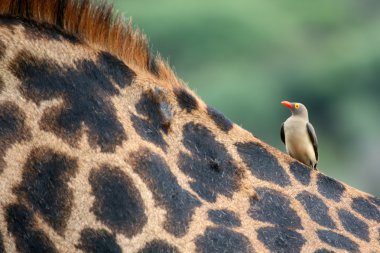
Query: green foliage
[244, 57]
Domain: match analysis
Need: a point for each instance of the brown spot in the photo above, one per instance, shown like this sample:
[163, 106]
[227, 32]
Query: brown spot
[1, 84]
[179, 203]
[92, 21]
[28, 237]
[86, 90]
[92, 241]
[159, 96]
[157, 112]
[185, 100]
[118, 203]
[44, 186]
[12, 128]
[3, 47]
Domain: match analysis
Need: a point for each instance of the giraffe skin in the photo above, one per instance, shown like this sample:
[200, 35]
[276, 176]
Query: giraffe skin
[103, 149]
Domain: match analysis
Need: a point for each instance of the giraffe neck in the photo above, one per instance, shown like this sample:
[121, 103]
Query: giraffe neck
[99, 151]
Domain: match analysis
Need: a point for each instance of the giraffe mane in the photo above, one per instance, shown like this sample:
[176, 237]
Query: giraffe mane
[96, 24]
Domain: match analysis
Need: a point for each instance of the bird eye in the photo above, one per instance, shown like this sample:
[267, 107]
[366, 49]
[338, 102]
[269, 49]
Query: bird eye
[297, 106]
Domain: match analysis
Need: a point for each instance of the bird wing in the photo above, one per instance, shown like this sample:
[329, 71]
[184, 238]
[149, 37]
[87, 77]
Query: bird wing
[282, 133]
[313, 138]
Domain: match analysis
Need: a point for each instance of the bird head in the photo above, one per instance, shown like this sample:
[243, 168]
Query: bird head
[297, 109]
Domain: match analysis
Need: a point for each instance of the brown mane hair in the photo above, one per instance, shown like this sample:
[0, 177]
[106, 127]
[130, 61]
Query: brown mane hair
[95, 24]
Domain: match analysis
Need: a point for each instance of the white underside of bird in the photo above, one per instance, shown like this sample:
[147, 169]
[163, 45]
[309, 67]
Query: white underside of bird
[297, 141]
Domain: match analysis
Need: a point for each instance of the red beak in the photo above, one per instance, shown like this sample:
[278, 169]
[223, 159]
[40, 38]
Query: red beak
[287, 104]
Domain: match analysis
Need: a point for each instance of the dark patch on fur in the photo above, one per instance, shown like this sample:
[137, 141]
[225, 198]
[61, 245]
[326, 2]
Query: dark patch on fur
[152, 65]
[9, 23]
[316, 209]
[3, 47]
[148, 131]
[224, 217]
[185, 100]
[179, 203]
[337, 240]
[323, 251]
[2, 248]
[118, 203]
[12, 128]
[354, 225]
[151, 106]
[280, 239]
[115, 69]
[98, 241]
[220, 120]
[263, 164]
[210, 166]
[43, 31]
[273, 207]
[222, 240]
[28, 237]
[86, 92]
[159, 246]
[44, 186]
[300, 172]
[1, 84]
[374, 200]
[365, 208]
[166, 113]
[330, 188]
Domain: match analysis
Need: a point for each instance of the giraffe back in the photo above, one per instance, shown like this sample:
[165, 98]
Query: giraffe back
[104, 149]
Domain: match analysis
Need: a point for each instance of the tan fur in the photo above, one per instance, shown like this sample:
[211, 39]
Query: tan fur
[95, 27]
[95, 24]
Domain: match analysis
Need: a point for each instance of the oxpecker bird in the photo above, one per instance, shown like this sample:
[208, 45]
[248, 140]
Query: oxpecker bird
[299, 136]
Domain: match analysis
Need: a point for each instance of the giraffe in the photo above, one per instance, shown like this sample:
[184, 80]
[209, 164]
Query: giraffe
[104, 149]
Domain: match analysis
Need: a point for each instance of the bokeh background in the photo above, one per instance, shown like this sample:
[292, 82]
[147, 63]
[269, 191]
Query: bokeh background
[244, 57]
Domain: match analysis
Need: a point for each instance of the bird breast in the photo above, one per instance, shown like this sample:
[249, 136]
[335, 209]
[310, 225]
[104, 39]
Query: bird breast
[298, 142]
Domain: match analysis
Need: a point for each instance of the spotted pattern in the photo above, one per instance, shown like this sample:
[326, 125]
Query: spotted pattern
[28, 238]
[2, 249]
[337, 240]
[280, 239]
[273, 207]
[220, 120]
[316, 208]
[210, 166]
[323, 251]
[262, 164]
[223, 240]
[374, 200]
[159, 246]
[115, 69]
[224, 217]
[366, 208]
[12, 128]
[98, 241]
[86, 90]
[300, 172]
[34, 31]
[354, 225]
[44, 186]
[1, 84]
[152, 66]
[185, 100]
[3, 48]
[150, 127]
[330, 188]
[179, 203]
[118, 203]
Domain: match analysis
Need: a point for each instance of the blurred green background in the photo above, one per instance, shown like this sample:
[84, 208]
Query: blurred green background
[244, 57]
